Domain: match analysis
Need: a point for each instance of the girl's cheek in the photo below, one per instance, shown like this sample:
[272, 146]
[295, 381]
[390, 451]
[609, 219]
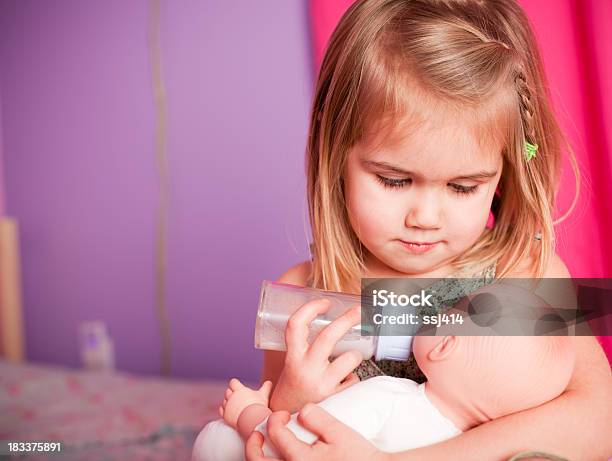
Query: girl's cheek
[467, 222]
[371, 204]
[363, 215]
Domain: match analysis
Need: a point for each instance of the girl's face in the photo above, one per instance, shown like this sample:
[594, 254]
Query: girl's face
[431, 185]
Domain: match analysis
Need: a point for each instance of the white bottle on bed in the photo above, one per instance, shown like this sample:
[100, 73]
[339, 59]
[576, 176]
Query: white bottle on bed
[97, 351]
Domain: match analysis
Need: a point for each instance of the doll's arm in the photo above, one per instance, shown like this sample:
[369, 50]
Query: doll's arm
[250, 417]
[244, 408]
[575, 425]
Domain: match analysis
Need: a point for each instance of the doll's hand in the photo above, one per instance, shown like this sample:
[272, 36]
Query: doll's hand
[308, 375]
[337, 442]
[238, 397]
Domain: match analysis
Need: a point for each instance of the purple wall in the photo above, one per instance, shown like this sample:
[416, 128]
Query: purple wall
[78, 127]
[2, 189]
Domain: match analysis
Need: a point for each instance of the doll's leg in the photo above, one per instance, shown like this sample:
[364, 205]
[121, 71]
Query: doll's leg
[363, 407]
[218, 441]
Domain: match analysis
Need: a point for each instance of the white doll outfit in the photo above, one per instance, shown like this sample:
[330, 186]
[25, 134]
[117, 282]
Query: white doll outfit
[392, 413]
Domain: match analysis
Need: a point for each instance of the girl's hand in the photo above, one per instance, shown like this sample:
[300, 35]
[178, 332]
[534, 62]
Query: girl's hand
[308, 375]
[337, 442]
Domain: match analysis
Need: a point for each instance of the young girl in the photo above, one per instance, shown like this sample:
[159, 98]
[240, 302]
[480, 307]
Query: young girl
[428, 116]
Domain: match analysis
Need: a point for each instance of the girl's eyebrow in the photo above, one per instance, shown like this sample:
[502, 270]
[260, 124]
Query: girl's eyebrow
[482, 174]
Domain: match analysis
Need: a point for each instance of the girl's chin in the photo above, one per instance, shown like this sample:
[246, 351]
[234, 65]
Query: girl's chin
[393, 264]
[421, 265]
[412, 266]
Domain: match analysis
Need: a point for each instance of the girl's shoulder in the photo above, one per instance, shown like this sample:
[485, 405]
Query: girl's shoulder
[554, 293]
[298, 274]
[556, 268]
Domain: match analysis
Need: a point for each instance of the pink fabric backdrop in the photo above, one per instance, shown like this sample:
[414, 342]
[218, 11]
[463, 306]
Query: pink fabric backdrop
[577, 50]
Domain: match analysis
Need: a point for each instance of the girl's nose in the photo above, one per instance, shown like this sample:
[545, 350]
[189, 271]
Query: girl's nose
[424, 211]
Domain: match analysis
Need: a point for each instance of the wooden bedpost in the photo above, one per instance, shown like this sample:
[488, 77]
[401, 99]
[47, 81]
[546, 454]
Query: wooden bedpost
[11, 317]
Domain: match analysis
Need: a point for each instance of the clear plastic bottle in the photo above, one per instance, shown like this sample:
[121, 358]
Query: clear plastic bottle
[278, 301]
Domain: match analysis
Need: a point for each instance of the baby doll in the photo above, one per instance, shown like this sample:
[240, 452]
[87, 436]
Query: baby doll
[470, 380]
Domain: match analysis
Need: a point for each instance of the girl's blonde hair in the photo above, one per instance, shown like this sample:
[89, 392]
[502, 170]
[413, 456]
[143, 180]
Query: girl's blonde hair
[476, 57]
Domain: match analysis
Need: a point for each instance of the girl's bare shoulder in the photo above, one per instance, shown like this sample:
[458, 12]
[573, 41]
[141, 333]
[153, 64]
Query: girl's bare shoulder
[556, 268]
[298, 274]
[554, 293]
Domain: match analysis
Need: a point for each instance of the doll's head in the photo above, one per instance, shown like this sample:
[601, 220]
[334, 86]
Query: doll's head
[411, 96]
[492, 376]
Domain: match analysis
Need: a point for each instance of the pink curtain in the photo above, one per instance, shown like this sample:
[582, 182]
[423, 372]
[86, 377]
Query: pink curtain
[576, 45]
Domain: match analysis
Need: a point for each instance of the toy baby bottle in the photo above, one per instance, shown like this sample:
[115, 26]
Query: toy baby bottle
[278, 301]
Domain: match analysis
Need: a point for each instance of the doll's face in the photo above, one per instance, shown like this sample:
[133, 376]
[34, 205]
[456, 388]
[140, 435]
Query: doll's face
[429, 184]
[496, 375]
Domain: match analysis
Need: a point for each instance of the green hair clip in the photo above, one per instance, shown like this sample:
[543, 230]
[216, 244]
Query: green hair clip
[530, 150]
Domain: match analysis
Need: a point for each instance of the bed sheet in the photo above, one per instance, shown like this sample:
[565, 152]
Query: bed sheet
[105, 416]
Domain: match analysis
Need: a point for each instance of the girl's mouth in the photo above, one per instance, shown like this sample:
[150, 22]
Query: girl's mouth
[418, 247]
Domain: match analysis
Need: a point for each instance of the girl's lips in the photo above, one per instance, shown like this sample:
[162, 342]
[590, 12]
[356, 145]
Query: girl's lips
[419, 248]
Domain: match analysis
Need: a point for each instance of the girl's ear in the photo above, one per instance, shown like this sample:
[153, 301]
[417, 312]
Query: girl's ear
[443, 349]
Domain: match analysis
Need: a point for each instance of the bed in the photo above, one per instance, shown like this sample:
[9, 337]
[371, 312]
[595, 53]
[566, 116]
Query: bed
[97, 415]
[104, 416]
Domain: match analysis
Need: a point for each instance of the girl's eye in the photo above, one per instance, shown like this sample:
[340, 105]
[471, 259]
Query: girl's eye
[397, 183]
[463, 190]
[391, 182]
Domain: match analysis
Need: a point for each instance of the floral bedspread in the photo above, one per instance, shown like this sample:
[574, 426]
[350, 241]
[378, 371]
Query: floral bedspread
[104, 416]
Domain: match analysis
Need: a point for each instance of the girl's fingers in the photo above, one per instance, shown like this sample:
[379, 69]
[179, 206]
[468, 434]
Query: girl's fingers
[253, 450]
[348, 382]
[321, 423]
[220, 411]
[297, 331]
[343, 365]
[325, 341]
[288, 445]
[228, 392]
[224, 403]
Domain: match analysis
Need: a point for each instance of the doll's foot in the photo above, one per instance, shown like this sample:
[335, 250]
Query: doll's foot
[237, 397]
[233, 385]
